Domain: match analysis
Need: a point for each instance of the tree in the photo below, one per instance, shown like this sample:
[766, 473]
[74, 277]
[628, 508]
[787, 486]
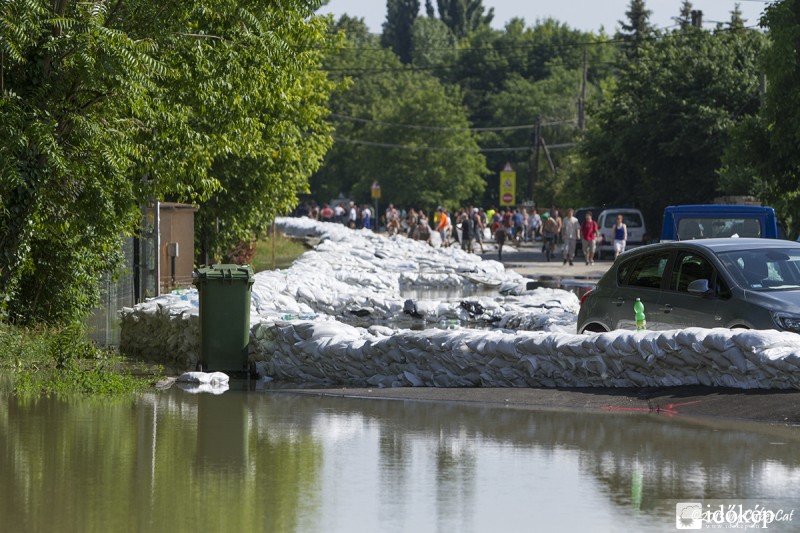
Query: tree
[72, 88]
[432, 44]
[106, 105]
[400, 17]
[464, 16]
[400, 127]
[637, 29]
[684, 19]
[659, 135]
[737, 22]
[763, 159]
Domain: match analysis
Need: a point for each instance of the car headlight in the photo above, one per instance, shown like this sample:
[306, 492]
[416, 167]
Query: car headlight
[787, 322]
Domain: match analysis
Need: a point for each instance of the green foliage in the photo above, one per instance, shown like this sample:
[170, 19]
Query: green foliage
[636, 30]
[434, 160]
[65, 151]
[103, 106]
[658, 137]
[763, 158]
[432, 44]
[61, 361]
[464, 16]
[400, 17]
[286, 251]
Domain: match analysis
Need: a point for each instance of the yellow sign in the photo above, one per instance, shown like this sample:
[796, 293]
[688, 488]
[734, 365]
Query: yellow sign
[508, 186]
[376, 191]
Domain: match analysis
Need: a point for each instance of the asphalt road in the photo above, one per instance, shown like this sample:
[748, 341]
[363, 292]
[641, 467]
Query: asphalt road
[529, 261]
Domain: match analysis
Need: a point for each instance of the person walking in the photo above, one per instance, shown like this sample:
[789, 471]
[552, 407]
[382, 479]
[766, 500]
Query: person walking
[620, 236]
[366, 217]
[500, 237]
[589, 231]
[443, 227]
[326, 213]
[465, 222]
[477, 226]
[518, 222]
[549, 231]
[352, 216]
[535, 221]
[570, 233]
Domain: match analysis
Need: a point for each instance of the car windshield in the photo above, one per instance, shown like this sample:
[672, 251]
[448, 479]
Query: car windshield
[764, 270]
[632, 220]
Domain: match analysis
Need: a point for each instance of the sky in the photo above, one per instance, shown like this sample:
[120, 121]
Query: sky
[587, 15]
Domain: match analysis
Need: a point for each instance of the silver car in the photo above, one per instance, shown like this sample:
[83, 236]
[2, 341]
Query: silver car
[729, 283]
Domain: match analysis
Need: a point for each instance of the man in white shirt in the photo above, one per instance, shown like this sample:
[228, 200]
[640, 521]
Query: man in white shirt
[338, 213]
[570, 233]
[366, 217]
[353, 217]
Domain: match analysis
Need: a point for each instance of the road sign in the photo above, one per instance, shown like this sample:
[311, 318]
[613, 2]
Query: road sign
[375, 190]
[508, 185]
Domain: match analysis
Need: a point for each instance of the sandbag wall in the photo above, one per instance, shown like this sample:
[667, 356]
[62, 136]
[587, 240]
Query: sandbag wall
[329, 354]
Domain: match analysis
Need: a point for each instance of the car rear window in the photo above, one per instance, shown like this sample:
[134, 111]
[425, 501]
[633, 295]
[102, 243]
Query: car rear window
[708, 228]
[632, 220]
[649, 270]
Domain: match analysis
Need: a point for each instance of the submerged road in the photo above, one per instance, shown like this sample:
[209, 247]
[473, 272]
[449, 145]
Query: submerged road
[530, 261]
[771, 406]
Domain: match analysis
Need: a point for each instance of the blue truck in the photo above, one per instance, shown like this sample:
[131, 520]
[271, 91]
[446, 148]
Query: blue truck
[685, 222]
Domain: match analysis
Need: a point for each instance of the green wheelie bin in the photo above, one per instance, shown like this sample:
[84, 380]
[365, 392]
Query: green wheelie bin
[224, 292]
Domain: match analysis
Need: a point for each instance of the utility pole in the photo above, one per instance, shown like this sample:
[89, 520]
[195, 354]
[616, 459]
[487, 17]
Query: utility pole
[582, 99]
[537, 133]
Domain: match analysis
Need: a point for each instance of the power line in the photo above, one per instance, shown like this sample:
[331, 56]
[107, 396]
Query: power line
[443, 149]
[445, 128]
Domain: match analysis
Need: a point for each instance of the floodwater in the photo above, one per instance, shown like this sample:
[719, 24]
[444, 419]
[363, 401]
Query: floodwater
[278, 461]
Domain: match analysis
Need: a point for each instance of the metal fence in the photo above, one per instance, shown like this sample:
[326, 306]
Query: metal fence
[104, 324]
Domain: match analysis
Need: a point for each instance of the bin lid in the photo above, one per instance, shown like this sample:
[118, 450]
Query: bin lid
[224, 272]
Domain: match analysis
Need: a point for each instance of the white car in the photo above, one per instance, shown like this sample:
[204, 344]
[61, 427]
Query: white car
[607, 220]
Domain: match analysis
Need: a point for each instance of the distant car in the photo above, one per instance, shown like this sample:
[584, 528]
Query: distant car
[607, 219]
[730, 283]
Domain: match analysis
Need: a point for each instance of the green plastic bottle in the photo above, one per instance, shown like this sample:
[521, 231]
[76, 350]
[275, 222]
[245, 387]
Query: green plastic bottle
[638, 310]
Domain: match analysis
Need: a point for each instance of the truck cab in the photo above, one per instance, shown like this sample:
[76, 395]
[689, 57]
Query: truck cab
[686, 222]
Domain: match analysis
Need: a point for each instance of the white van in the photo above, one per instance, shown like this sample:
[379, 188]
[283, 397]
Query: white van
[608, 218]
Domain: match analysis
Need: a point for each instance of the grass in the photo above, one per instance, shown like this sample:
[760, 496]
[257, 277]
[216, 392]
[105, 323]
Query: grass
[47, 360]
[43, 361]
[286, 251]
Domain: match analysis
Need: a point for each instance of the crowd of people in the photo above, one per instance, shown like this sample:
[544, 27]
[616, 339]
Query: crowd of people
[470, 227]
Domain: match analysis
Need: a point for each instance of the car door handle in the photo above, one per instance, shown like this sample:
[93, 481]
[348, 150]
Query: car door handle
[666, 309]
[619, 302]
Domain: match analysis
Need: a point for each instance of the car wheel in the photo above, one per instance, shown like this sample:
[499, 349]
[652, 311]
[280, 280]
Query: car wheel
[594, 328]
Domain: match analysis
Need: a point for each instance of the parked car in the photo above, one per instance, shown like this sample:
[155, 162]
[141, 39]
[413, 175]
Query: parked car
[633, 219]
[684, 222]
[730, 283]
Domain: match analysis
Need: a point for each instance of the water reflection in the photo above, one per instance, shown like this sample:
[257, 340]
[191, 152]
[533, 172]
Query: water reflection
[278, 461]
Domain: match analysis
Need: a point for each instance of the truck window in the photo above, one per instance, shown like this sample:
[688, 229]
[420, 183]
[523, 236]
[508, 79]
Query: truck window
[708, 228]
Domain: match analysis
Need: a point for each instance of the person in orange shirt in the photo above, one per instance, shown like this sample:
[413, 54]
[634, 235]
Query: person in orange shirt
[444, 226]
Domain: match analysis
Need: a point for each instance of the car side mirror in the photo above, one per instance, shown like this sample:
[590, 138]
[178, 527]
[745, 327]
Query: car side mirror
[699, 287]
